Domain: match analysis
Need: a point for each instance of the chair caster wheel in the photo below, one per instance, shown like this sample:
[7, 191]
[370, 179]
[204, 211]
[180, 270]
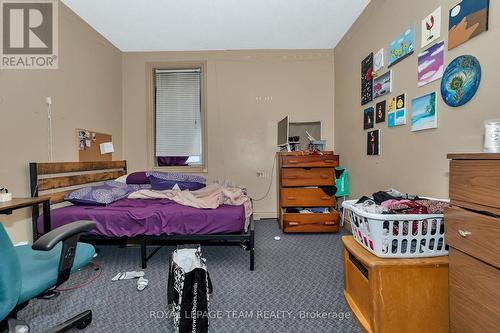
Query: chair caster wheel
[85, 321]
[83, 324]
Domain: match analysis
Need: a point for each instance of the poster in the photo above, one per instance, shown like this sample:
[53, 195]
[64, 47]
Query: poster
[367, 79]
[424, 112]
[401, 47]
[431, 27]
[467, 19]
[373, 143]
[430, 64]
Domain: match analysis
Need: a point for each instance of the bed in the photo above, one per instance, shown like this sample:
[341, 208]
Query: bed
[146, 222]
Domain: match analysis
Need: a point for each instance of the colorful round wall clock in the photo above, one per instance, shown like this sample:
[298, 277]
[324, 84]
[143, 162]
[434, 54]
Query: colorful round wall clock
[461, 80]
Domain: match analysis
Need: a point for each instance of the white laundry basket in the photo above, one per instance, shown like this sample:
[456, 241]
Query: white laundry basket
[397, 236]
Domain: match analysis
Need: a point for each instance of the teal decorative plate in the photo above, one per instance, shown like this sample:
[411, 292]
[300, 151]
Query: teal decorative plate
[461, 80]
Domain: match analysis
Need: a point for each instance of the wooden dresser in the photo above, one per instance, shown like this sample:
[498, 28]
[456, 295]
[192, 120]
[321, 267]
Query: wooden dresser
[300, 180]
[472, 227]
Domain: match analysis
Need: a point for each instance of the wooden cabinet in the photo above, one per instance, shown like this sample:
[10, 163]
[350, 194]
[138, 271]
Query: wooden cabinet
[395, 295]
[303, 182]
[472, 227]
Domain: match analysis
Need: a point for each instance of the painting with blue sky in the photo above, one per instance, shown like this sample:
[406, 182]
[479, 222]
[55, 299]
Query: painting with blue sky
[431, 64]
[401, 47]
[467, 19]
[424, 112]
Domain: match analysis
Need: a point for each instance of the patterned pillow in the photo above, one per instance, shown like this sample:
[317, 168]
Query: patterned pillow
[101, 195]
[163, 184]
[179, 177]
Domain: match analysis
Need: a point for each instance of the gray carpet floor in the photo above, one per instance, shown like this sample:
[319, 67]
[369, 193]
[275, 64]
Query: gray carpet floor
[297, 279]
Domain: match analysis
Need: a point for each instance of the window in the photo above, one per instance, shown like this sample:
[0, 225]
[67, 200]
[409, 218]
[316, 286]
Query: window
[178, 117]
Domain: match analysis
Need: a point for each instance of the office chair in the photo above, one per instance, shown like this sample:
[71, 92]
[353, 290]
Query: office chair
[33, 271]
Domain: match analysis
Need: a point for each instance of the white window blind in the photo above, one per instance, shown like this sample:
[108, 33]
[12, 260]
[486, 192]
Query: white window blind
[178, 112]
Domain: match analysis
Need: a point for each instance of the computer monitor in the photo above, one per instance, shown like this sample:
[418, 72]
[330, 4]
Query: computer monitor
[283, 128]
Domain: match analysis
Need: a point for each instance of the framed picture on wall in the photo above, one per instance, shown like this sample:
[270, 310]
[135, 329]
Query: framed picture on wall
[367, 79]
[373, 143]
[380, 110]
[382, 84]
[368, 118]
[401, 47]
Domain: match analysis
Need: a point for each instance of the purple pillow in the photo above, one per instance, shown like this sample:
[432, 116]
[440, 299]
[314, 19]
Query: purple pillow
[165, 184]
[99, 195]
[137, 178]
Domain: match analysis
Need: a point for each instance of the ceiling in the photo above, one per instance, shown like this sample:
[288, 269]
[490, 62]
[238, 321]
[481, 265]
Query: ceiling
[194, 25]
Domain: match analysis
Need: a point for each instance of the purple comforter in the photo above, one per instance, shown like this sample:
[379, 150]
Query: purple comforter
[136, 217]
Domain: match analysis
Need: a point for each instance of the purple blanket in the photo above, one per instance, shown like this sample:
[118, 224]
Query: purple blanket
[131, 218]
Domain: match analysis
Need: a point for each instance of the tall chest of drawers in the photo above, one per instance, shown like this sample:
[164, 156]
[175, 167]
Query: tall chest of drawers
[472, 227]
[303, 182]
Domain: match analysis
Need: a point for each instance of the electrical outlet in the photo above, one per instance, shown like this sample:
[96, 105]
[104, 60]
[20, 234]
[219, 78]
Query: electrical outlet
[263, 174]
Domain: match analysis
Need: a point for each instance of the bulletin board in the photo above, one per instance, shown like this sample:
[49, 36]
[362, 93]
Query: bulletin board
[88, 142]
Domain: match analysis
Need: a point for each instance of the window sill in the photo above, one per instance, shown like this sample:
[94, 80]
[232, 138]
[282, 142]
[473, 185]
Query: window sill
[183, 169]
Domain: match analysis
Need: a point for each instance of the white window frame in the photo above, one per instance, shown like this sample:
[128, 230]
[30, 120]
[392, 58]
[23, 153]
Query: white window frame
[151, 115]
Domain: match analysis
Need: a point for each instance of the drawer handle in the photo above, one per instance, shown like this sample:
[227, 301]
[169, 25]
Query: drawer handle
[324, 177]
[291, 198]
[329, 161]
[330, 223]
[325, 198]
[464, 233]
[292, 177]
[293, 162]
[293, 223]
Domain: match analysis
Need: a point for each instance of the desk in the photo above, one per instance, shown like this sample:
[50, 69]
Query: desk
[7, 207]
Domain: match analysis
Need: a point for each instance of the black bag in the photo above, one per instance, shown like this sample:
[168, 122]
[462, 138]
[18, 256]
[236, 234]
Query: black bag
[189, 286]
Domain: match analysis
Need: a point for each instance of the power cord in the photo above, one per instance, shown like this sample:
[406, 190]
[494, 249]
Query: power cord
[270, 181]
[96, 267]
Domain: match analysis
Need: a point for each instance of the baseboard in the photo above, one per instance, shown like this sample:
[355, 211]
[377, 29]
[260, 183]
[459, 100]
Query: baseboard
[265, 215]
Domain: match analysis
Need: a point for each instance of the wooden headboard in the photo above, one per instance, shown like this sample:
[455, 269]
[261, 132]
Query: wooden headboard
[56, 179]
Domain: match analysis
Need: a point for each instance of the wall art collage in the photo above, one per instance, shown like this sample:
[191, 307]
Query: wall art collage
[459, 80]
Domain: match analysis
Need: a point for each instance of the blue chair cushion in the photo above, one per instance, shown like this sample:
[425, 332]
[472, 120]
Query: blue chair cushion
[39, 269]
[10, 275]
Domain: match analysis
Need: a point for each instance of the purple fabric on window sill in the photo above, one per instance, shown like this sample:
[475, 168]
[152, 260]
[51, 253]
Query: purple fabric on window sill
[172, 160]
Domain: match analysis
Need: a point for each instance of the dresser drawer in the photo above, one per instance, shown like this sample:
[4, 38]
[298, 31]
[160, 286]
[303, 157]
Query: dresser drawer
[296, 222]
[305, 197]
[475, 234]
[307, 177]
[309, 161]
[474, 295]
[475, 182]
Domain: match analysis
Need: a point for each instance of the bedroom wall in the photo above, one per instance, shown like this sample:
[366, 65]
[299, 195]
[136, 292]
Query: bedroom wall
[410, 161]
[241, 130]
[86, 93]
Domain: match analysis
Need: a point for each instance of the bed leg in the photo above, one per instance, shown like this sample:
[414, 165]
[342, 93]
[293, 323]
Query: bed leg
[143, 254]
[252, 250]
[252, 259]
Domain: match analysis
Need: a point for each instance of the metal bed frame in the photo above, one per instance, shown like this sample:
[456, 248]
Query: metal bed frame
[77, 174]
